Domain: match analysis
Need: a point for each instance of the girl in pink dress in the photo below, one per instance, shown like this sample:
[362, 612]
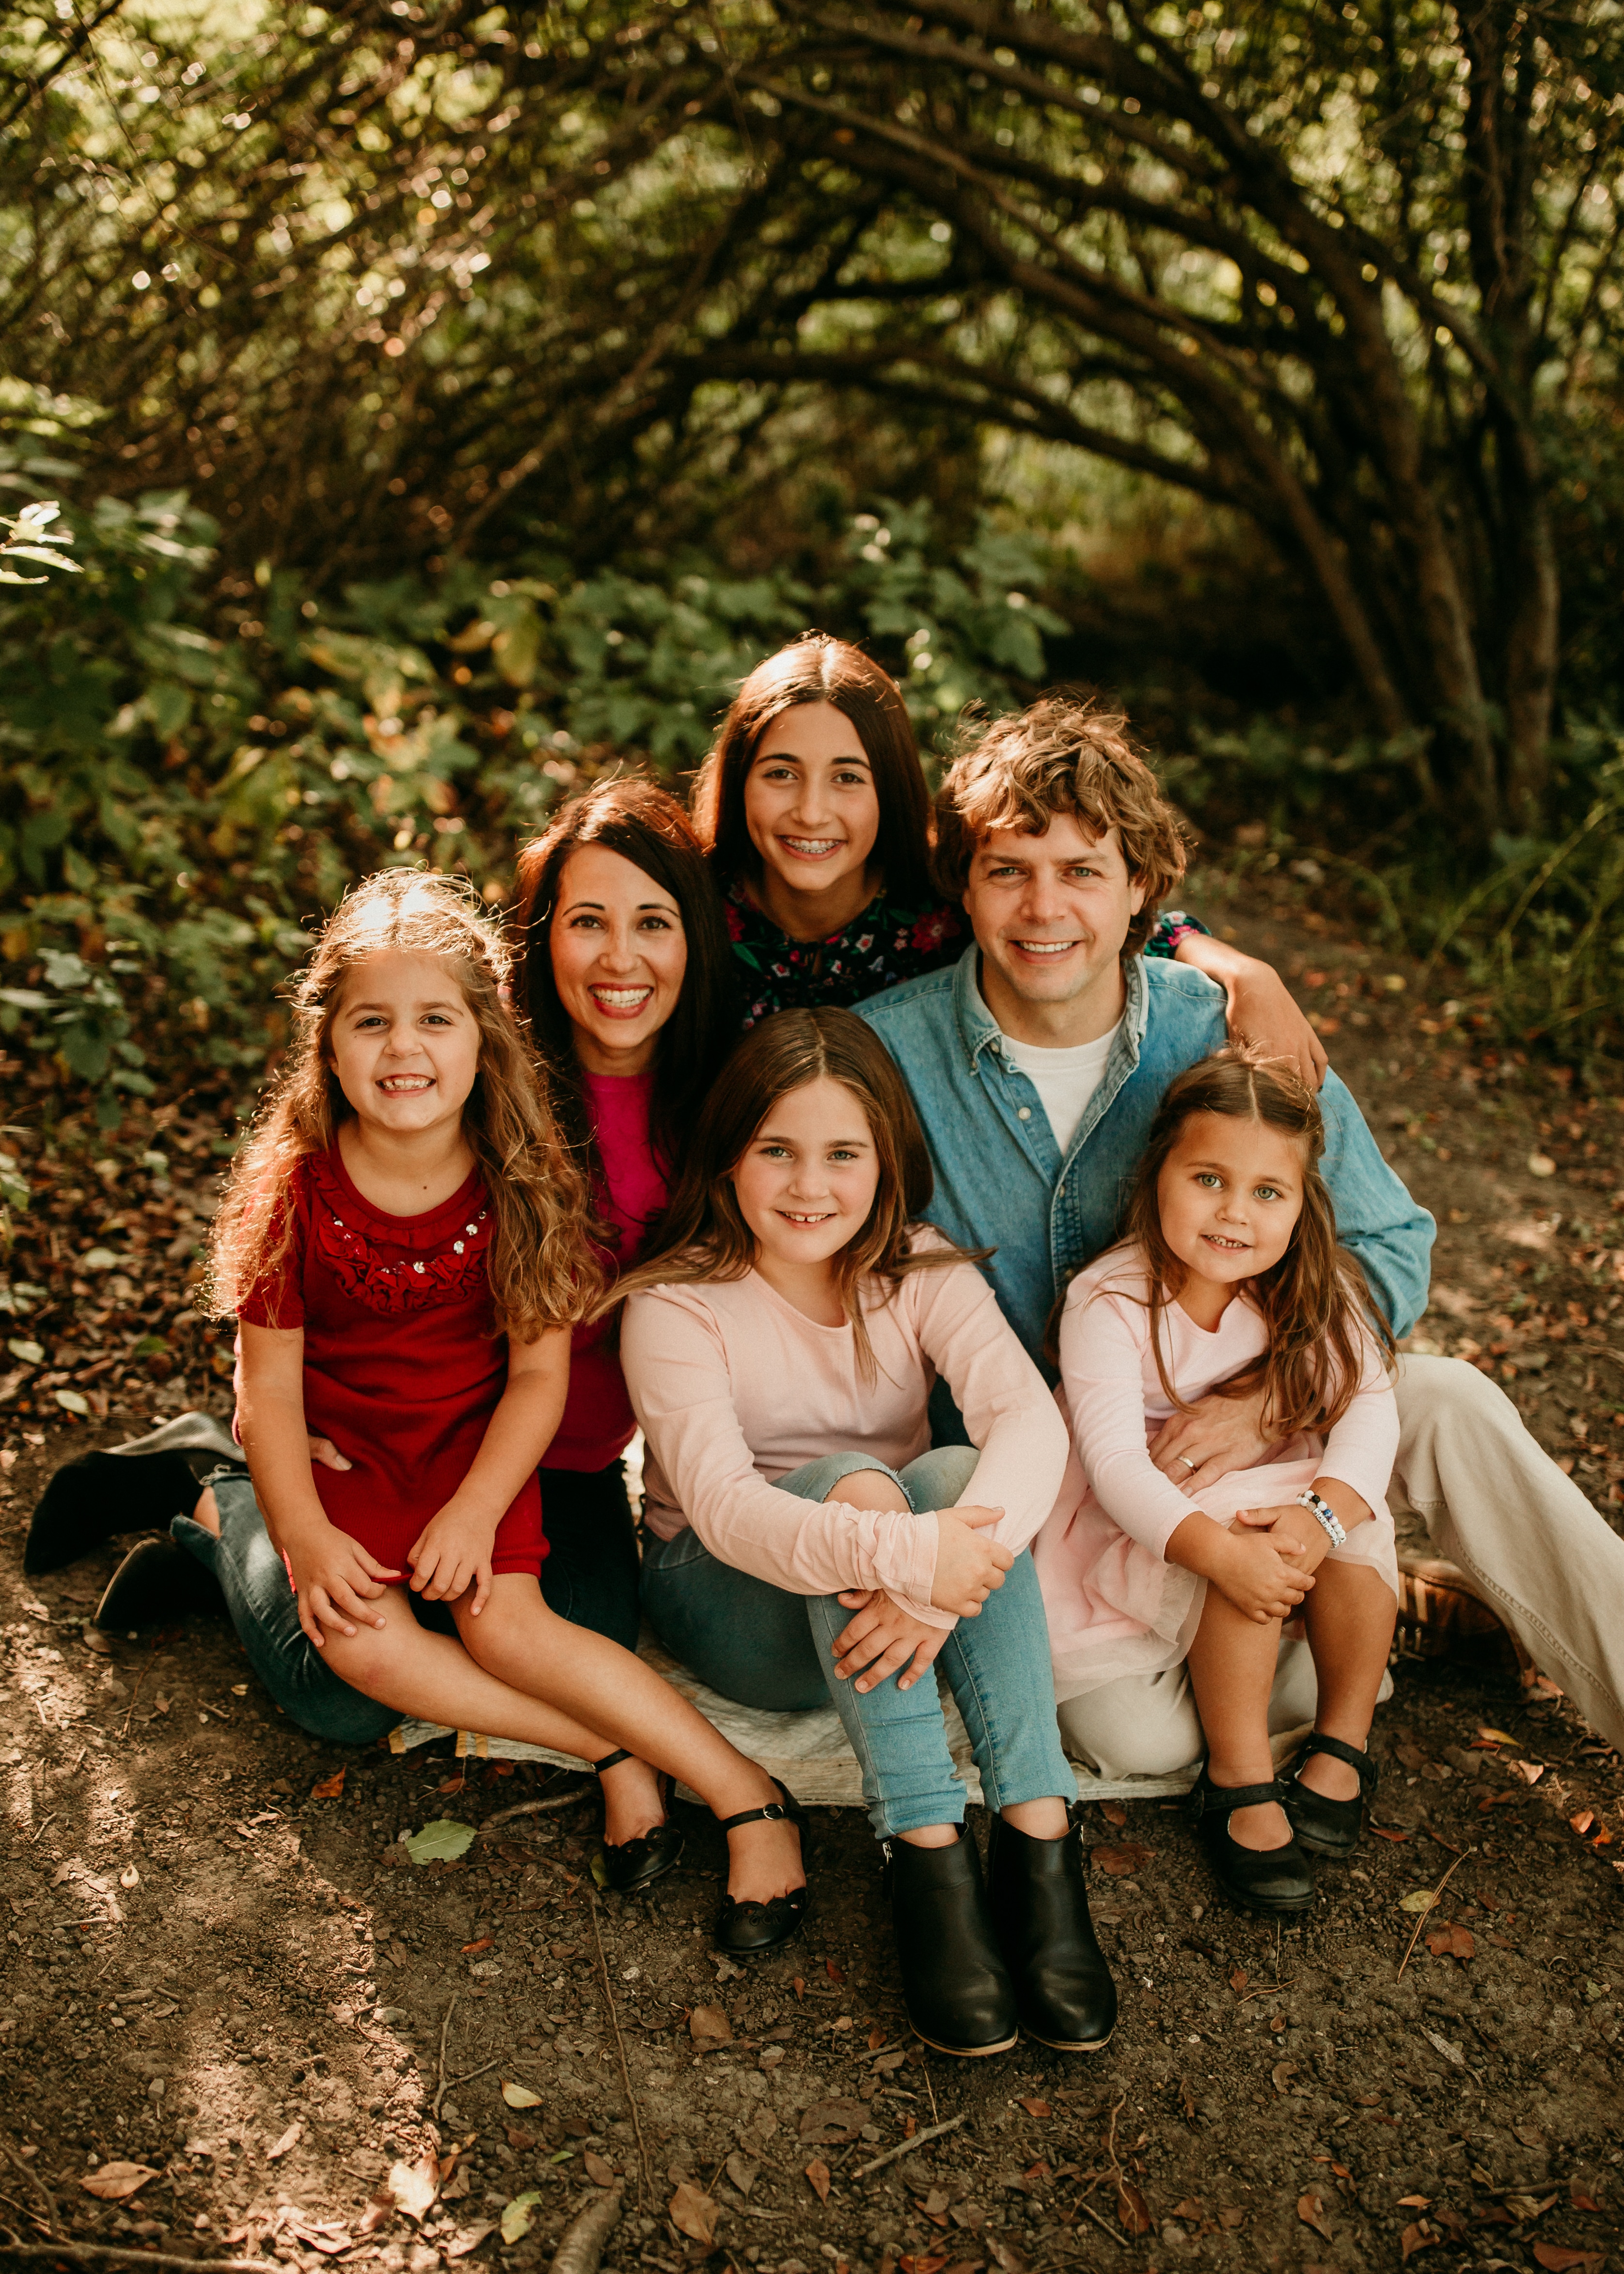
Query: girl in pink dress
[1231, 1276]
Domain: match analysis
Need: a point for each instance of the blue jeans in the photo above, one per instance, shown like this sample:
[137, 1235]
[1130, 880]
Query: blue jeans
[590, 1577]
[766, 1647]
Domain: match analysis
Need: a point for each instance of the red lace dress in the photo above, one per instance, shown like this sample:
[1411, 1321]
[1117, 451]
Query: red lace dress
[403, 1366]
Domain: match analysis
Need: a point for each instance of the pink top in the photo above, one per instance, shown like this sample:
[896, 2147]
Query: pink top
[598, 1419]
[736, 1388]
[1112, 1390]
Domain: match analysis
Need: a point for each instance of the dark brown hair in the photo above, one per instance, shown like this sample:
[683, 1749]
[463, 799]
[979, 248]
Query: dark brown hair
[1316, 1300]
[819, 669]
[703, 1236]
[1067, 754]
[541, 1273]
[644, 824]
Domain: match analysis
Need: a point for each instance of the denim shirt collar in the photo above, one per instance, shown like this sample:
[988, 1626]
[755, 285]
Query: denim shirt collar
[980, 1031]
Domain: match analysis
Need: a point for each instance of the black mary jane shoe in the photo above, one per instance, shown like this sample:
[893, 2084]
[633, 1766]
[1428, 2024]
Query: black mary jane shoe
[636, 1863]
[127, 1488]
[157, 1581]
[745, 1929]
[1063, 1990]
[1273, 1880]
[955, 1983]
[1325, 1827]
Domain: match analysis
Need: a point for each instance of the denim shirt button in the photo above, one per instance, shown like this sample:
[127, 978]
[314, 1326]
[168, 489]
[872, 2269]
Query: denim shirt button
[1023, 1113]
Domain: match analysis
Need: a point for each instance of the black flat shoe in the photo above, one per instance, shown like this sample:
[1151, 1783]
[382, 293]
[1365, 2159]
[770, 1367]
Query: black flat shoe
[639, 1862]
[132, 1488]
[955, 1985]
[1063, 1991]
[746, 1929]
[1325, 1827]
[157, 1580]
[1274, 1879]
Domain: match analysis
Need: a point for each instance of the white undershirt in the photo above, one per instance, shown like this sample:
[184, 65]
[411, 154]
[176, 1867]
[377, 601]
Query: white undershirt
[1063, 1079]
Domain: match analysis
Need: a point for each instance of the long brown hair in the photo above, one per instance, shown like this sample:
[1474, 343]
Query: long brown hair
[1316, 1301]
[635, 818]
[704, 1235]
[541, 1273]
[819, 669]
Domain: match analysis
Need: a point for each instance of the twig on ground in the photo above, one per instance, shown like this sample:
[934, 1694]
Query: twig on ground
[646, 2176]
[39, 2187]
[440, 2080]
[529, 1808]
[50, 1819]
[930, 2089]
[11, 2203]
[89, 2253]
[1104, 2225]
[906, 2147]
[139, 1678]
[450, 2083]
[1431, 1907]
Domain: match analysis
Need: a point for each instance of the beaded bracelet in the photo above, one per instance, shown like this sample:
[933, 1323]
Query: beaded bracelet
[1324, 1514]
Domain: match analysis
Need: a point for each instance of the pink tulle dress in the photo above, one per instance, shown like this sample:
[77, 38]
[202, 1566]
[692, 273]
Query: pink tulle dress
[1115, 1605]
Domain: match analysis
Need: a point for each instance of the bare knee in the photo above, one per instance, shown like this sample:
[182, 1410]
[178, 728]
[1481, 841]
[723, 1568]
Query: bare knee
[870, 1488]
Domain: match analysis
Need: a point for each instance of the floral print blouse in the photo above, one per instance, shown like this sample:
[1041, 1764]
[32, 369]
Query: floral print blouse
[888, 943]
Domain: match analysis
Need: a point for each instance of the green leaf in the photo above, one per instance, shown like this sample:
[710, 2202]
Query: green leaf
[440, 1842]
[516, 2215]
[71, 1402]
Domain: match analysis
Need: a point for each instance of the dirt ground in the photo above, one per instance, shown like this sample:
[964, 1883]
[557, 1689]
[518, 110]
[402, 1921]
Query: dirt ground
[223, 1969]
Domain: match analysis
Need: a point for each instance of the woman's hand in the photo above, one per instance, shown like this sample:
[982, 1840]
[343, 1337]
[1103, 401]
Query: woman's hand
[884, 1639]
[451, 1554]
[968, 1568]
[1262, 1009]
[1263, 1575]
[1216, 1436]
[323, 1451]
[335, 1582]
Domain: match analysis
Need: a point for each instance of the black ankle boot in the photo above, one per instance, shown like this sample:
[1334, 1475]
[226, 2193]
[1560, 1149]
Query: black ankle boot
[129, 1489]
[955, 1985]
[1324, 1826]
[1063, 1989]
[1275, 1880]
[157, 1580]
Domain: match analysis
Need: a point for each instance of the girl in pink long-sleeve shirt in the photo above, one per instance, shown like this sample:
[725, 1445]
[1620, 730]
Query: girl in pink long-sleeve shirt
[805, 1541]
[1231, 1275]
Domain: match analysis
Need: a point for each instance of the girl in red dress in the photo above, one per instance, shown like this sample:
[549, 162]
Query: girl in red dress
[402, 1244]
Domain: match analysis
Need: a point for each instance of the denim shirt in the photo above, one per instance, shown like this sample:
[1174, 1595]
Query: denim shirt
[1001, 1181]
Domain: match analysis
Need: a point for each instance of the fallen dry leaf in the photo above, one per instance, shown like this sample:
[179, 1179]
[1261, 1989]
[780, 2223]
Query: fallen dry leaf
[693, 2212]
[1005, 2255]
[741, 2169]
[1451, 1942]
[1238, 1980]
[1131, 2209]
[818, 2176]
[1522, 2206]
[708, 2025]
[600, 2172]
[377, 2214]
[1583, 1822]
[1419, 1899]
[520, 2139]
[1413, 2238]
[1035, 2107]
[516, 2215]
[1231, 2219]
[290, 2139]
[329, 1788]
[876, 2038]
[832, 1970]
[1561, 2258]
[468, 2238]
[414, 2186]
[520, 2095]
[1188, 2209]
[117, 2182]
[1310, 2210]
[832, 2123]
[1114, 1812]
[921, 2263]
[1382, 1832]
[1282, 2074]
[1455, 2055]
[1119, 1862]
[485, 1942]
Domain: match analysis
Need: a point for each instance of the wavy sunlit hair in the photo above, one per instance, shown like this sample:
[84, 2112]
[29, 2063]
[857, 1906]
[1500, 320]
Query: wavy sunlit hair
[542, 1273]
[1316, 1301]
[704, 1235]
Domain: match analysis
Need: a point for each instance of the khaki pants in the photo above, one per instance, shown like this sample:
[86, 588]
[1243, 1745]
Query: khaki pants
[1493, 1501]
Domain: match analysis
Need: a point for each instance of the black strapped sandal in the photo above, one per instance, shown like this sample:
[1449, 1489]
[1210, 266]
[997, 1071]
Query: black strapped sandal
[636, 1863]
[746, 1929]
[1274, 1879]
[1324, 1826]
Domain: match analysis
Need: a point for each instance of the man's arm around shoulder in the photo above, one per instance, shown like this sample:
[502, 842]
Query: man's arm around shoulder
[1390, 1233]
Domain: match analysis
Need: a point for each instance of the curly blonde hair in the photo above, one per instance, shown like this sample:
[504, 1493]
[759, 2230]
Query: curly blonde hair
[542, 1271]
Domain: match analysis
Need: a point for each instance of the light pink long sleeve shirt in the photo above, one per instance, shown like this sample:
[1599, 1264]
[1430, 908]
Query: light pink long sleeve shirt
[736, 1388]
[1112, 1389]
